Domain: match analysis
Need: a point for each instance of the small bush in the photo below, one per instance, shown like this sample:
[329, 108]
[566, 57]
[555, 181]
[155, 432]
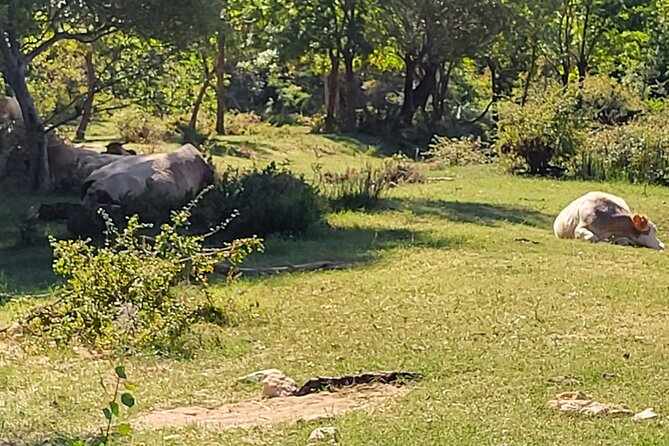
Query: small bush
[137, 126]
[354, 189]
[123, 294]
[543, 134]
[363, 189]
[635, 152]
[317, 123]
[284, 119]
[238, 123]
[271, 200]
[448, 152]
[608, 102]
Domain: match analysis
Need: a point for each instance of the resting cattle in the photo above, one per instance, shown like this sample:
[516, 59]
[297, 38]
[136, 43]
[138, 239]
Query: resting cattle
[67, 163]
[173, 176]
[10, 110]
[598, 216]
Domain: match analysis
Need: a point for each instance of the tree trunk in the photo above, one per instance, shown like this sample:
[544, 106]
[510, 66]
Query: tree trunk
[530, 73]
[36, 142]
[208, 75]
[198, 102]
[332, 93]
[440, 90]
[408, 107]
[426, 86]
[582, 66]
[87, 111]
[495, 89]
[351, 93]
[219, 69]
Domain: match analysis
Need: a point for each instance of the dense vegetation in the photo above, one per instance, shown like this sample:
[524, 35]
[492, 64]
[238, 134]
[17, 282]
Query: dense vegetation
[535, 80]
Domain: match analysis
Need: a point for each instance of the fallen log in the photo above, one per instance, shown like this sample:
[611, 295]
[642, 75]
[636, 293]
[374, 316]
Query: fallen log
[271, 271]
[319, 384]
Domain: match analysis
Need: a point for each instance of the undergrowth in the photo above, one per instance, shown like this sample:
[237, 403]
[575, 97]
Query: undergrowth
[124, 294]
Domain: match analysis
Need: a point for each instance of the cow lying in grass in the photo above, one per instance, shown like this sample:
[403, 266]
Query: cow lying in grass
[172, 176]
[598, 216]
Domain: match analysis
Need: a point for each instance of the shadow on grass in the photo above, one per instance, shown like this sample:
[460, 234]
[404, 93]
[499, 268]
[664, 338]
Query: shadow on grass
[478, 213]
[360, 143]
[24, 269]
[359, 246]
[58, 440]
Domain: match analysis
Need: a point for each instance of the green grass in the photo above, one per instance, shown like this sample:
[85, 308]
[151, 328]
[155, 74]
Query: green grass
[442, 286]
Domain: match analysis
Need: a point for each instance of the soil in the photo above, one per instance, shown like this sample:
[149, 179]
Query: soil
[266, 412]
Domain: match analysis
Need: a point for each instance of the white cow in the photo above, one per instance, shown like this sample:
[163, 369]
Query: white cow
[598, 216]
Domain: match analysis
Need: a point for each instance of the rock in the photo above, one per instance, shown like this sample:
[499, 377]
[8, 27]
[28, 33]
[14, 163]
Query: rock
[278, 386]
[324, 434]
[257, 377]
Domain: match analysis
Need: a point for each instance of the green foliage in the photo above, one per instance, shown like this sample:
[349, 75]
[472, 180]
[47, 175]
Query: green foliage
[363, 189]
[135, 125]
[543, 134]
[608, 102]
[448, 152]
[354, 189]
[271, 200]
[122, 295]
[113, 409]
[240, 123]
[636, 152]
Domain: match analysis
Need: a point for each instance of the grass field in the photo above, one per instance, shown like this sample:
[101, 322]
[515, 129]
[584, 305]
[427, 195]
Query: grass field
[460, 280]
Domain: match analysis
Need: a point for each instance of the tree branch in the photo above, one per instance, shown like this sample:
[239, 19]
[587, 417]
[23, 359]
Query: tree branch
[87, 37]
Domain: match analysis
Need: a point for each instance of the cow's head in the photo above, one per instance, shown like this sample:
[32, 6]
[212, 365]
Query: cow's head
[647, 232]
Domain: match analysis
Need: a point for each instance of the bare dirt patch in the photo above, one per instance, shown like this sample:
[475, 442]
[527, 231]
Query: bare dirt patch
[275, 410]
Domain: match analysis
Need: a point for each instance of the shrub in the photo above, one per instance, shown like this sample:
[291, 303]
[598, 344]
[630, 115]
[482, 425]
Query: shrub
[271, 200]
[284, 119]
[354, 189]
[608, 102]
[137, 126]
[635, 152]
[544, 133]
[447, 152]
[238, 123]
[123, 294]
[363, 189]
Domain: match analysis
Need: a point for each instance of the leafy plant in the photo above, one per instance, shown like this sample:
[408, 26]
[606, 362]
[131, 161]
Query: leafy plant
[135, 125]
[354, 189]
[238, 123]
[271, 200]
[637, 152]
[123, 294]
[447, 152]
[112, 411]
[542, 134]
[608, 102]
[363, 189]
